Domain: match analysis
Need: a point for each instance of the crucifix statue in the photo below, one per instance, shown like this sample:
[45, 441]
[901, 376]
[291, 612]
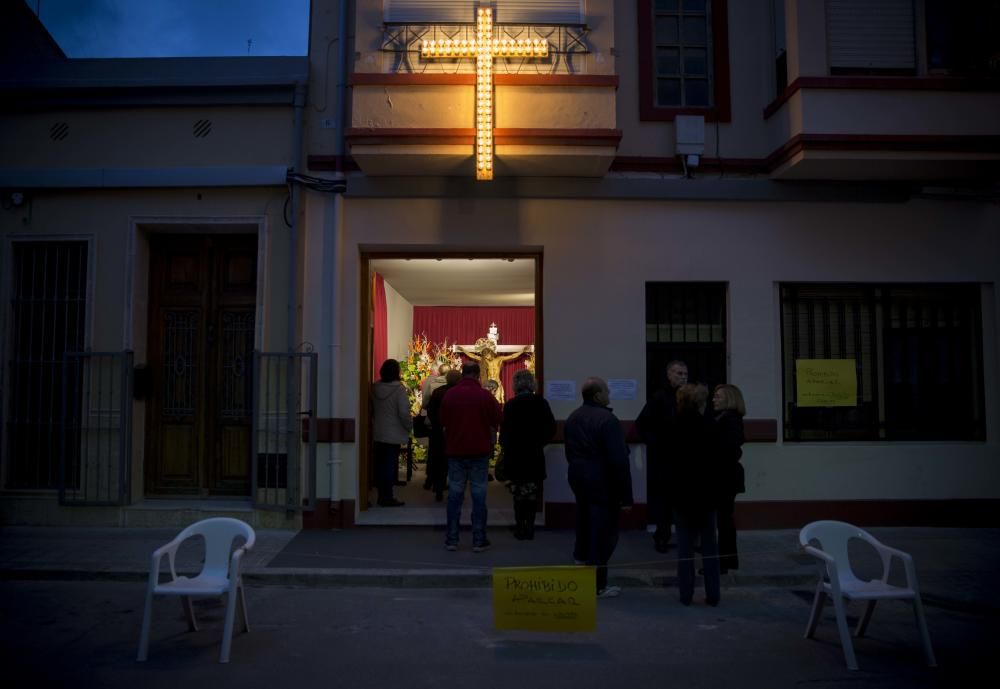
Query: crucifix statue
[491, 357]
[485, 48]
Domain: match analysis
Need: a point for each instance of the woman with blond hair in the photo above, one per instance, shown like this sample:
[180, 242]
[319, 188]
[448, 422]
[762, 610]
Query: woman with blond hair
[729, 412]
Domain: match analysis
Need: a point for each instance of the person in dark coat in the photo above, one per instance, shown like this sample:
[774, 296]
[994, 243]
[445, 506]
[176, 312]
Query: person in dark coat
[528, 425]
[654, 424]
[694, 489]
[729, 412]
[437, 462]
[600, 478]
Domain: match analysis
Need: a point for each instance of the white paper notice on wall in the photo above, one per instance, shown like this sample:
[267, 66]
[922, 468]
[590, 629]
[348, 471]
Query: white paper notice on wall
[560, 390]
[622, 388]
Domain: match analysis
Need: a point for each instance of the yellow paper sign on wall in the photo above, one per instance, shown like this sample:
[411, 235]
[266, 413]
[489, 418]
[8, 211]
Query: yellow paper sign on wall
[545, 599]
[826, 383]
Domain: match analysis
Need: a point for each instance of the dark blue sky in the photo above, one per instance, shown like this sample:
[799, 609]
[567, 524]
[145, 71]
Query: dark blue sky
[176, 28]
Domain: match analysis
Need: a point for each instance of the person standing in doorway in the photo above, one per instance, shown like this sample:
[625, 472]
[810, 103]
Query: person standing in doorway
[655, 426]
[729, 412]
[437, 462]
[470, 417]
[600, 478]
[528, 426]
[391, 423]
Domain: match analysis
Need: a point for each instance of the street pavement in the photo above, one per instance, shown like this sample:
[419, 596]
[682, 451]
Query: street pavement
[389, 607]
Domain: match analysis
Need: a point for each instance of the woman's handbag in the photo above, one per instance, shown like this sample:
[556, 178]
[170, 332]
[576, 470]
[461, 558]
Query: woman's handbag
[420, 427]
[499, 470]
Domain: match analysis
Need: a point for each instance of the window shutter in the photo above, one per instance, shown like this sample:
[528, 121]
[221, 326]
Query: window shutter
[507, 11]
[870, 34]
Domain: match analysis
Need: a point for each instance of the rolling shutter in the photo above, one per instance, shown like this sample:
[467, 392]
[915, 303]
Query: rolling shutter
[507, 11]
[870, 34]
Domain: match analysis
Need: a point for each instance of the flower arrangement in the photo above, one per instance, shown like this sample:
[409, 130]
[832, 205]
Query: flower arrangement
[423, 358]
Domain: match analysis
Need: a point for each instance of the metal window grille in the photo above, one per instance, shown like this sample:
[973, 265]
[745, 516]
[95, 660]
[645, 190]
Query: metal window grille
[48, 311]
[96, 429]
[917, 352]
[933, 363]
[283, 440]
[686, 321]
[682, 52]
[830, 322]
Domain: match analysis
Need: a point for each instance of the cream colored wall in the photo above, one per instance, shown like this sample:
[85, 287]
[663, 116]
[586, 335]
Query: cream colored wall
[599, 255]
[148, 138]
[399, 322]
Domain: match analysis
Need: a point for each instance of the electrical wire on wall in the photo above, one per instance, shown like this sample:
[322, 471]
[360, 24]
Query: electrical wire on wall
[320, 184]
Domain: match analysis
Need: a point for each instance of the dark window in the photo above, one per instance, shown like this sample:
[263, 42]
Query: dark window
[48, 308]
[917, 353]
[683, 59]
[685, 321]
[963, 38]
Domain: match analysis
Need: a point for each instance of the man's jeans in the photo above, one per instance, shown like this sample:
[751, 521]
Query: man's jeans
[473, 470]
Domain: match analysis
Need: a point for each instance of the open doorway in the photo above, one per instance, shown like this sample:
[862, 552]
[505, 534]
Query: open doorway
[425, 309]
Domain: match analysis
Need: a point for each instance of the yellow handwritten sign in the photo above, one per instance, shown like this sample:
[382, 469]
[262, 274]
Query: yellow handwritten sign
[545, 599]
[826, 383]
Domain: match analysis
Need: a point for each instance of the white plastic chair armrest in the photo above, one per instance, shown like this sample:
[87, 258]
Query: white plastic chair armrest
[234, 566]
[831, 567]
[170, 550]
[887, 553]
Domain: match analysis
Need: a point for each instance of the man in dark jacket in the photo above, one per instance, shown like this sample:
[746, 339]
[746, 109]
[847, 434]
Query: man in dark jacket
[600, 478]
[470, 417]
[655, 425]
[437, 462]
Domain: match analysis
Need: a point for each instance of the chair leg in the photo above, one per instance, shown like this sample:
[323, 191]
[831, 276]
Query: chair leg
[243, 608]
[189, 613]
[227, 632]
[859, 631]
[918, 612]
[147, 618]
[817, 608]
[845, 634]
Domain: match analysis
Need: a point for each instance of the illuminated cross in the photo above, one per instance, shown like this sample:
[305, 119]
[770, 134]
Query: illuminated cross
[485, 48]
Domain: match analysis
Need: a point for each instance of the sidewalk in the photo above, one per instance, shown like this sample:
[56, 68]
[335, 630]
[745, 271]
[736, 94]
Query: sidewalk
[957, 568]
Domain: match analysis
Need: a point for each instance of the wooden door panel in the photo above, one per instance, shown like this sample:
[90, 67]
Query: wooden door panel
[202, 303]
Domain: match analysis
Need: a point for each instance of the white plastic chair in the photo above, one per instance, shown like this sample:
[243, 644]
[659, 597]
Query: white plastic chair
[219, 576]
[837, 580]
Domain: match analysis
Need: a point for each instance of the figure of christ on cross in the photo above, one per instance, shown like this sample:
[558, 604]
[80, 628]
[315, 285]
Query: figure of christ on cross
[485, 352]
[485, 48]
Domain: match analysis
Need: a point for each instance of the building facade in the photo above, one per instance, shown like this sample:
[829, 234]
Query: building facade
[760, 188]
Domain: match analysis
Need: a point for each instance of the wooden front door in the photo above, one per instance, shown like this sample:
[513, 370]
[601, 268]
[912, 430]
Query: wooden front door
[202, 294]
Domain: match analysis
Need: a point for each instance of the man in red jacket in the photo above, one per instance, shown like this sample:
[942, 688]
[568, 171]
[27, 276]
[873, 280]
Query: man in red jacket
[470, 416]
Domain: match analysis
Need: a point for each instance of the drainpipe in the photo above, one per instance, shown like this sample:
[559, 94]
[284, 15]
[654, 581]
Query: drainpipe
[293, 391]
[338, 215]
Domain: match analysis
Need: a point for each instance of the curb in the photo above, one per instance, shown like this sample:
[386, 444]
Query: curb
[397, 578]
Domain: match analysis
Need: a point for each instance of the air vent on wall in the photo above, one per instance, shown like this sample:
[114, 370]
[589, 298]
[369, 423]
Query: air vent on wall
[202, 128]
[59, 131]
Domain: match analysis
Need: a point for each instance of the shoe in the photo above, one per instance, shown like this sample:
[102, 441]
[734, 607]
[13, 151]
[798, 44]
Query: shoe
[427, 484]
[489, 477]
[661, 546]
[714, 602]
[451, 547]
[438, 496]
[610, 592]
[685, 601]
[391, 502]
[485, 545]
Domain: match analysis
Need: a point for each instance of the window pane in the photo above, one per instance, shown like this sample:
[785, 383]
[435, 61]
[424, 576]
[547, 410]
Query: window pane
[696, 62]
[694, 31]
[694, 5]
[666, 5]
[667, 61]
[666, 30]
[668, 91]
[695, 92]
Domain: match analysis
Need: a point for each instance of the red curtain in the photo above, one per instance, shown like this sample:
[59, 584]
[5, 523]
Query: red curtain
[466, 324]
[380, 345]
